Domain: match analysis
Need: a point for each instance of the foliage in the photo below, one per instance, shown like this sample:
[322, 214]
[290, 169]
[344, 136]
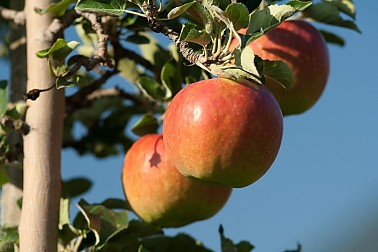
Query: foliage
[149, 74]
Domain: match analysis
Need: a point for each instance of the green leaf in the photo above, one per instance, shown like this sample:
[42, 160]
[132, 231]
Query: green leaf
[129, 239]
[3, 175]
[59, 50]
[3, 97]
[345, 6]
[64, 212]
[129, 70]
[262, 21]
[328, 13]
[8, 238]
[147, 124]
[137, 39]
[67, 233]
[244, 246]
[17, 110]
[279, 71]
[171, 78]
[250, 4]
[75, 187]
[178, 11]
[150, 88]
[298, 249]
[153, 52]
[103, 222]
[114, 203]
[190, 33]
[206, 17]
[228, 245]
[59, 8]
[238, 15]
[332, 38]
[102, 7]
[248, 61]
[180, 242]
[62, 82]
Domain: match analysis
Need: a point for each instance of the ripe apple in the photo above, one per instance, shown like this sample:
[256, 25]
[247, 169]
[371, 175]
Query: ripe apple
[159, 194]
[302, 47]
[223, 132]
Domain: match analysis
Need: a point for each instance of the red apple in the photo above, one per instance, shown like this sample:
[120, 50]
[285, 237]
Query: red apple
[159, 194]
[302, 47]
[223, 132]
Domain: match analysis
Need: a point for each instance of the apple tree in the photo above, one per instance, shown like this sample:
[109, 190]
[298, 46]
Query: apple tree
[64, 56]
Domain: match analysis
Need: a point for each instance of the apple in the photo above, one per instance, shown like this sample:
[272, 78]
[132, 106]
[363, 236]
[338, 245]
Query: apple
[223, 132]
[159, 194]
[302, 47]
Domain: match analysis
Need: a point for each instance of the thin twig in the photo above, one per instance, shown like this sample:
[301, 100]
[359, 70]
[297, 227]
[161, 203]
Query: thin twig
[17, 17]
[74, 101]
[102, 50]
[114, 92]
[58, 25]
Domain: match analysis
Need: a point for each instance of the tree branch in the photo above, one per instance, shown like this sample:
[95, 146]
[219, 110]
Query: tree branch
[74, 101]
[157, 26]
[58, 25]
[17, 17]
[102, 50]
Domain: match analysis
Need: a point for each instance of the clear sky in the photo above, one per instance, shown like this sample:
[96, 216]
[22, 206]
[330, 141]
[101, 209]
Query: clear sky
[322, 190]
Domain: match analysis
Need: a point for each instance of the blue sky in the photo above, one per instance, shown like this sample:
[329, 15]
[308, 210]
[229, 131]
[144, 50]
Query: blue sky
[323, 187]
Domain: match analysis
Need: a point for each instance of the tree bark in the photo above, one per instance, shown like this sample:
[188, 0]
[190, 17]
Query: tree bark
[38, 228]
[12, 192]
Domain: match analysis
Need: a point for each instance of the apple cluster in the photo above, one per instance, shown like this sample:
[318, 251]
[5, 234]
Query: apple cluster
[220, 134]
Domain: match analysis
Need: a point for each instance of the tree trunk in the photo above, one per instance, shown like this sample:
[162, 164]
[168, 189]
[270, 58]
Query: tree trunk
[42, 146]
[12, 192]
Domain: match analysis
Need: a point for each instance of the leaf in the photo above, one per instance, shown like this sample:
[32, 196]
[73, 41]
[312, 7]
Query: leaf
[171, 78]
[114, 203]
[59, 50]
[178, 11]
[227, 245]
[180, 242]
[129, 70]
[247, 61]
[59, 8]
[102, 7]
[262, 21]
[153, 52]
[328, 13]
[3, 97]
[298, 249]
[238, 15]
[129, 239]
[250, 4]
[190, 33]
[332, 38]
[17, 110]
[63, 82]
[8, 238]
[345, 6]
[75, 187]
[150, 88]
[147, 124]
[67, 233]
[103, 222]
[137, 39]
[64, 212]
[3, 175]
[206, 17]
[279, 71]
